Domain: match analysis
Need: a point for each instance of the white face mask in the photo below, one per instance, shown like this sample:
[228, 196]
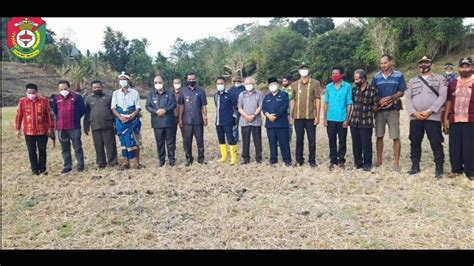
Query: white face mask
[64, 93]
[177, 86]
[304, 72]
[123, 83]
[237, 84]
[273, 88]
[220, 87]
[158, 86]
[449, 72]
[249, 87]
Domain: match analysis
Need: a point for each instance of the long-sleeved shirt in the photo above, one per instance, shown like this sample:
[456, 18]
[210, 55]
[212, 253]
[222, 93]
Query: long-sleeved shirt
[277, 105]
[421, 98]
[166, 101]
[98, 113]
[69, 111]
[35, 115]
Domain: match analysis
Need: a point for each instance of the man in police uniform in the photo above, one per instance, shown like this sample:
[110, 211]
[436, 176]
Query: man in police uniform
[193, 116]
[426, 96]
[275, 108]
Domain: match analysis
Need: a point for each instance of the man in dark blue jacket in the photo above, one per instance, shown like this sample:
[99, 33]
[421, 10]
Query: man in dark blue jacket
[161, 104]
[275, 108]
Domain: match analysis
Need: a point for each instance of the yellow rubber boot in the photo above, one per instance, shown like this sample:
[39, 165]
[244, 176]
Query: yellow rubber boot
[233, 154]
[223, 153]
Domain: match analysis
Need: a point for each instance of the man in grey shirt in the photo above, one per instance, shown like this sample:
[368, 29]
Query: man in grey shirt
[426, 96]
[250, 107]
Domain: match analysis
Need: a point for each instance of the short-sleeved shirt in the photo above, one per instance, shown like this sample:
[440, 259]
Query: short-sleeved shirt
[337, 101]
[304, 95]
[125, 100]
[193, 99]
[289, 92]
[250, 102]
[225, 105]
[388, 86]
[363, 104]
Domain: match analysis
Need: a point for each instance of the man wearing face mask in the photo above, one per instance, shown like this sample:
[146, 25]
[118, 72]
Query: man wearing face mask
[426, 96]
[250, 107]
[36, 117]
[100, 119]
[193, 116]
[305, 107]
[235, 91]
[275, 108]
[69, 107]
[225, 105]
[177, 91]
[126, 108]
[365, 104]
[337, 111]
[161, 104]
[459, 121]
[449, 74]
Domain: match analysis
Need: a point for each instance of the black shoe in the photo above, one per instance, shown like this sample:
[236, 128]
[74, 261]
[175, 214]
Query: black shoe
[171, 164]
[66, 170]
[80, 169]
[313, 165]
[414, 170]
[259, 161]
[367, 168]
[300, 164]
[245, 162]
[439, 173]
[360, 167]
[102, 166]
[188, 163]
[288, 164]
[35, 172]
[43, 173]
[202, 162]
[162, 163]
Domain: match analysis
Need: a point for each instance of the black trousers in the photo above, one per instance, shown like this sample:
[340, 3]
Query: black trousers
[435, 136]
[362, 146]
[198, 132]
[337, 131]
[37, 143]
[257, 141]
[279, 135]
[302, 125]
[461, 148]
[223, 132]
[168, 136]
[105, 138]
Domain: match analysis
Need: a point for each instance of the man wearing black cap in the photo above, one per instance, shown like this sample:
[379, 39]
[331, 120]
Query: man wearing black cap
[459, 120]
[305, 107]
[275, 108]
[426, 96]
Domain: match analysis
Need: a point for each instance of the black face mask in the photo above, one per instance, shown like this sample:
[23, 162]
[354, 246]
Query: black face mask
[358, 84]
[192, 83]
[464, 74]
[425, 69]
[99, 92]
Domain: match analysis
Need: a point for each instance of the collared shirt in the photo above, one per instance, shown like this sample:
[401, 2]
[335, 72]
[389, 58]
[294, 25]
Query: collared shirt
[421, 98]
[225, 105]
[461, 95]
[250, 102]
[124, 100]
[338, 100]
[363, 104]
[193, 99]
[165, 100]
[388, 86]
[277, 105]
[304, 95]
[98, 113]
[36, 116]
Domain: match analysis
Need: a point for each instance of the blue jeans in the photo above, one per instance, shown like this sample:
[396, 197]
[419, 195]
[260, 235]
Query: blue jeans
[65, 138]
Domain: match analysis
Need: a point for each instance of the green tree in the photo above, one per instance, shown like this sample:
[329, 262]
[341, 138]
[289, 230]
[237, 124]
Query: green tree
[116, 49]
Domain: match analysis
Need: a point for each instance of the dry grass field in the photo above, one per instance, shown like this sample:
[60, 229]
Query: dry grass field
[217, 206]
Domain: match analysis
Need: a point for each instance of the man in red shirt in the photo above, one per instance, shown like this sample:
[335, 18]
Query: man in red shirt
[35, 115]
[459, 120]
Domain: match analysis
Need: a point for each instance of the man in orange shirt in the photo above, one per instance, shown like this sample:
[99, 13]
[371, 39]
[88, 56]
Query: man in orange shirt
[35, 115]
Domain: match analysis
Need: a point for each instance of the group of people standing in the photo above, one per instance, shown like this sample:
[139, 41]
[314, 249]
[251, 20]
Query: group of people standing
[434, 103]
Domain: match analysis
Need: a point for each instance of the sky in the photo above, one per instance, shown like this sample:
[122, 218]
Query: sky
[88, 33]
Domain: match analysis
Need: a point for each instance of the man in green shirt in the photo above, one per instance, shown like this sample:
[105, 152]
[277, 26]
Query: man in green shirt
[286, 81]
